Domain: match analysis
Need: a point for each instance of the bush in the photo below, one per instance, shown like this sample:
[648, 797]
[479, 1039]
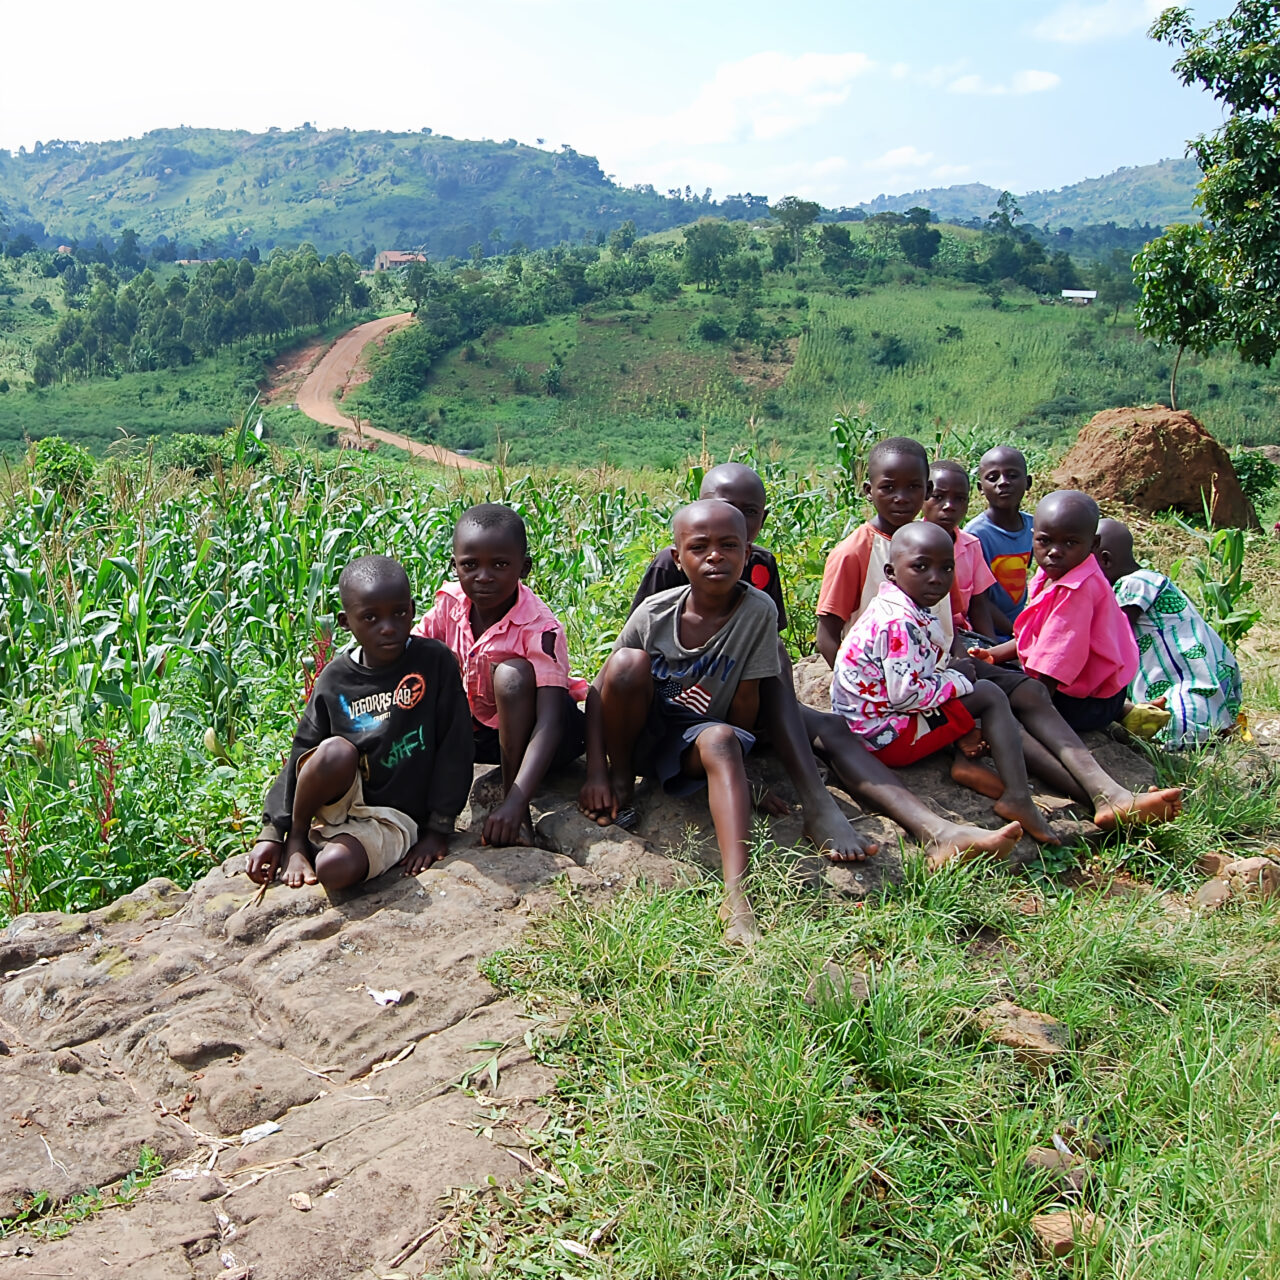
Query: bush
[58, 464]
[709, 329]
[189, 452]
[1257, 474]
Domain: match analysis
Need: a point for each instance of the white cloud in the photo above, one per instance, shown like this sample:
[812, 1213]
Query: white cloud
[1019, 83]
[763, 97]
[907, 157]
[1080, 23]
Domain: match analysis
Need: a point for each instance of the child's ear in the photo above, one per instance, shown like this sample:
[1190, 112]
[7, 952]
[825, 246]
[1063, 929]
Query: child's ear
[1097, 542]
[342, 620]
[866, 488]
[526, 566]
[888, 570]
[1030, 478]
[764, 515]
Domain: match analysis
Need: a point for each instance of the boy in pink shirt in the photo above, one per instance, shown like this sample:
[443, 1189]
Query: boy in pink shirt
[514, 660]
[1072, 635]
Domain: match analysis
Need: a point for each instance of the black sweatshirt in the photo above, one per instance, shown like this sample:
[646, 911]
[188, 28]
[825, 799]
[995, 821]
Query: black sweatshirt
[411, 724]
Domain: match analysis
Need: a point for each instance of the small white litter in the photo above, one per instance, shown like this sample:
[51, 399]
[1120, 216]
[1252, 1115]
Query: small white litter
[384, 998]
[259, 1131]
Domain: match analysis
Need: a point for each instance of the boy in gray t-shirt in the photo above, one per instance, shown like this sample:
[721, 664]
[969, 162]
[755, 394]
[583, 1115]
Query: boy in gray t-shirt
[679, 694]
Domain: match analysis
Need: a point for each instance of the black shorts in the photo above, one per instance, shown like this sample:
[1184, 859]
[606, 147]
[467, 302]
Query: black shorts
[1090, 713]
[572, 737]
[1007, 679]
[668, 733]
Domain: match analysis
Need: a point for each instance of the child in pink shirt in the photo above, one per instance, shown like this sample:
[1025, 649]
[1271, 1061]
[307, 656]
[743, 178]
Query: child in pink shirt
[1072, 634]
[514, 661]
[946, 506]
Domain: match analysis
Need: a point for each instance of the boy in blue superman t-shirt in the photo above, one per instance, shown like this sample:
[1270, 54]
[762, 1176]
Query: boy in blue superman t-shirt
[1004, 530]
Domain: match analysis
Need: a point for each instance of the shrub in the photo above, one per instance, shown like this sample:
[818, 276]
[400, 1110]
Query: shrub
[58, 464]
[1257, 474]
[188, 452]
[709, 329]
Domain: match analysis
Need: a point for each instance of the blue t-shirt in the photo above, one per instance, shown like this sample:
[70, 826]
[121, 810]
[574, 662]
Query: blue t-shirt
[1009, 555]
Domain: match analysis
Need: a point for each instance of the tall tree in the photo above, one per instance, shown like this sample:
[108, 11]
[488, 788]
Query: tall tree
[1219, 279]
[796, 217]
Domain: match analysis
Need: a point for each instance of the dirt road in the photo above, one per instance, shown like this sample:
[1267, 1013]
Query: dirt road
[339, 367]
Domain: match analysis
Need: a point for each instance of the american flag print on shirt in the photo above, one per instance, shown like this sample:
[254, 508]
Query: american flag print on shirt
[695, 696]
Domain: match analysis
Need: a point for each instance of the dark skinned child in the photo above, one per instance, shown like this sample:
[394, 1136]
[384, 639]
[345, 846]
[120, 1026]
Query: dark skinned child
[781, 716]
[946, 506]
[514, 661]
[680, 692]
[381, 761]
[1004, 530]
[897, 485]
[1072, 637]
[896, 690]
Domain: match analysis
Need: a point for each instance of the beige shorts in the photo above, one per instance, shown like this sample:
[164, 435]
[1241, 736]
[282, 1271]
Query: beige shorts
[386, 834]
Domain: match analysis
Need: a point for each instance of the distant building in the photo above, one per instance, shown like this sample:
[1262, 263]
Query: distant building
[389, 259]
[65, 248]
[1081, 297]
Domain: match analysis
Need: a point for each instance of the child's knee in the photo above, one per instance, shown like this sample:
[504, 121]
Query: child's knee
[334, 757]
[1031, 695]
[719, 746]
[338, 865]
[628, 669]
[514, 682]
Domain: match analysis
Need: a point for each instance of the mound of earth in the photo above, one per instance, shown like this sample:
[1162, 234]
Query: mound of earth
[303, 1063]
[1155, 459]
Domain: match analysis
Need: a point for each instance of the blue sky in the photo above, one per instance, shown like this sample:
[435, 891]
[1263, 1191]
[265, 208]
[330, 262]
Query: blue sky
[837, 100]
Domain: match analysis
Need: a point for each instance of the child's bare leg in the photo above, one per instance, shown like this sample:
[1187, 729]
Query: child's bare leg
[325, 777]
[824, 824]
[515, 691]
[1043, 764]
[875, 785]
[341, 862]
[717, 755]
[967, 771]
[1112, 803]
[626, 694]
[1004, 736]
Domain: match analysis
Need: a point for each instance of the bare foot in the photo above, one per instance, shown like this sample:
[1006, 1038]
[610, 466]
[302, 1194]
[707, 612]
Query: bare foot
[834, 837]
[1146, 808]
[298, 870]
[977, 777]
[741, 927]
[770, 803]
[972, 744]
[1029, 818]
[961, 844]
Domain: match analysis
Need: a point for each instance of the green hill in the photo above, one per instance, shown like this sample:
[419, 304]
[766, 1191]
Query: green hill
[1158, 193]
[216, 191]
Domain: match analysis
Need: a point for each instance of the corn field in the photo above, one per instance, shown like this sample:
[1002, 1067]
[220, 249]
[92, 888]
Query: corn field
[157, 635]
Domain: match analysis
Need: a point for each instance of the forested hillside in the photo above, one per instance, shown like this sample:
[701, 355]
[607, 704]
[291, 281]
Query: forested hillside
[212, 192]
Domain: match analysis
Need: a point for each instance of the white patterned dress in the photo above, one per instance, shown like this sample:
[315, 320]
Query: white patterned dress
[1180, 658]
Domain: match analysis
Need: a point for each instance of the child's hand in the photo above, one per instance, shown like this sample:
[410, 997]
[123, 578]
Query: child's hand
[264, 860]
[509, 822]
[983, 655]
[430, 847]
[597, 801]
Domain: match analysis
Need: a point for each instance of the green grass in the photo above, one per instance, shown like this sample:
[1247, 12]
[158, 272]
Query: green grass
[710, 1123]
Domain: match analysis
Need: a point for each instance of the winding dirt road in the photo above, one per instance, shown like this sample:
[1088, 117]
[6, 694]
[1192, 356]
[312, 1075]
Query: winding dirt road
[317, 397]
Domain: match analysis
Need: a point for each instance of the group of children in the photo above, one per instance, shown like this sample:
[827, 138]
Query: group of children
[938, 636]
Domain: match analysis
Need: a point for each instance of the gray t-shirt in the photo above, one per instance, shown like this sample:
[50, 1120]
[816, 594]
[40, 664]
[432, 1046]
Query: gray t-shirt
[705, 680]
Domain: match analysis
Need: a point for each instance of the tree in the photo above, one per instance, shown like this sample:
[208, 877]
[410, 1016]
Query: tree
[796, 217]
[1216, 280]
[706, 245]
[918, 240]
[622, 238]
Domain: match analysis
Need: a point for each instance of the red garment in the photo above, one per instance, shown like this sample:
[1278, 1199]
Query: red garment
[1073, 631]
[527, 630]
[922, 740]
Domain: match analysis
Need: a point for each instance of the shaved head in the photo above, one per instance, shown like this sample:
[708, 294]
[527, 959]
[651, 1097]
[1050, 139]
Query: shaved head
[731, 476]
[1115, 550]
[1069, 508]
[371, 575]
[918, 536]
[1002, 455]
[707, 511]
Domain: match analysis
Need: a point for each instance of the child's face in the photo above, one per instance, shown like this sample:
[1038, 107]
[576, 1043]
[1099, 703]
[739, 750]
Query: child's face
[489, 563]
[747, 496]
[897, 486]
[711, 547]
[380, 619]
[948, 500]
[924, 569]
[1062, 541]
[1003, 479]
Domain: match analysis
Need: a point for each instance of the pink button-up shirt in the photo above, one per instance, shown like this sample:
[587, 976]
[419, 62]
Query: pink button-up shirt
[973, 576]
[1073, 631]
[528, 630]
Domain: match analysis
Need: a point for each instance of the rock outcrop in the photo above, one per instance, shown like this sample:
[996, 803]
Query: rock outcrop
[1155, 459]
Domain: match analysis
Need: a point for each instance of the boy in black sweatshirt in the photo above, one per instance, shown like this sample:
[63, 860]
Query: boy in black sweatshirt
[382, 759]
